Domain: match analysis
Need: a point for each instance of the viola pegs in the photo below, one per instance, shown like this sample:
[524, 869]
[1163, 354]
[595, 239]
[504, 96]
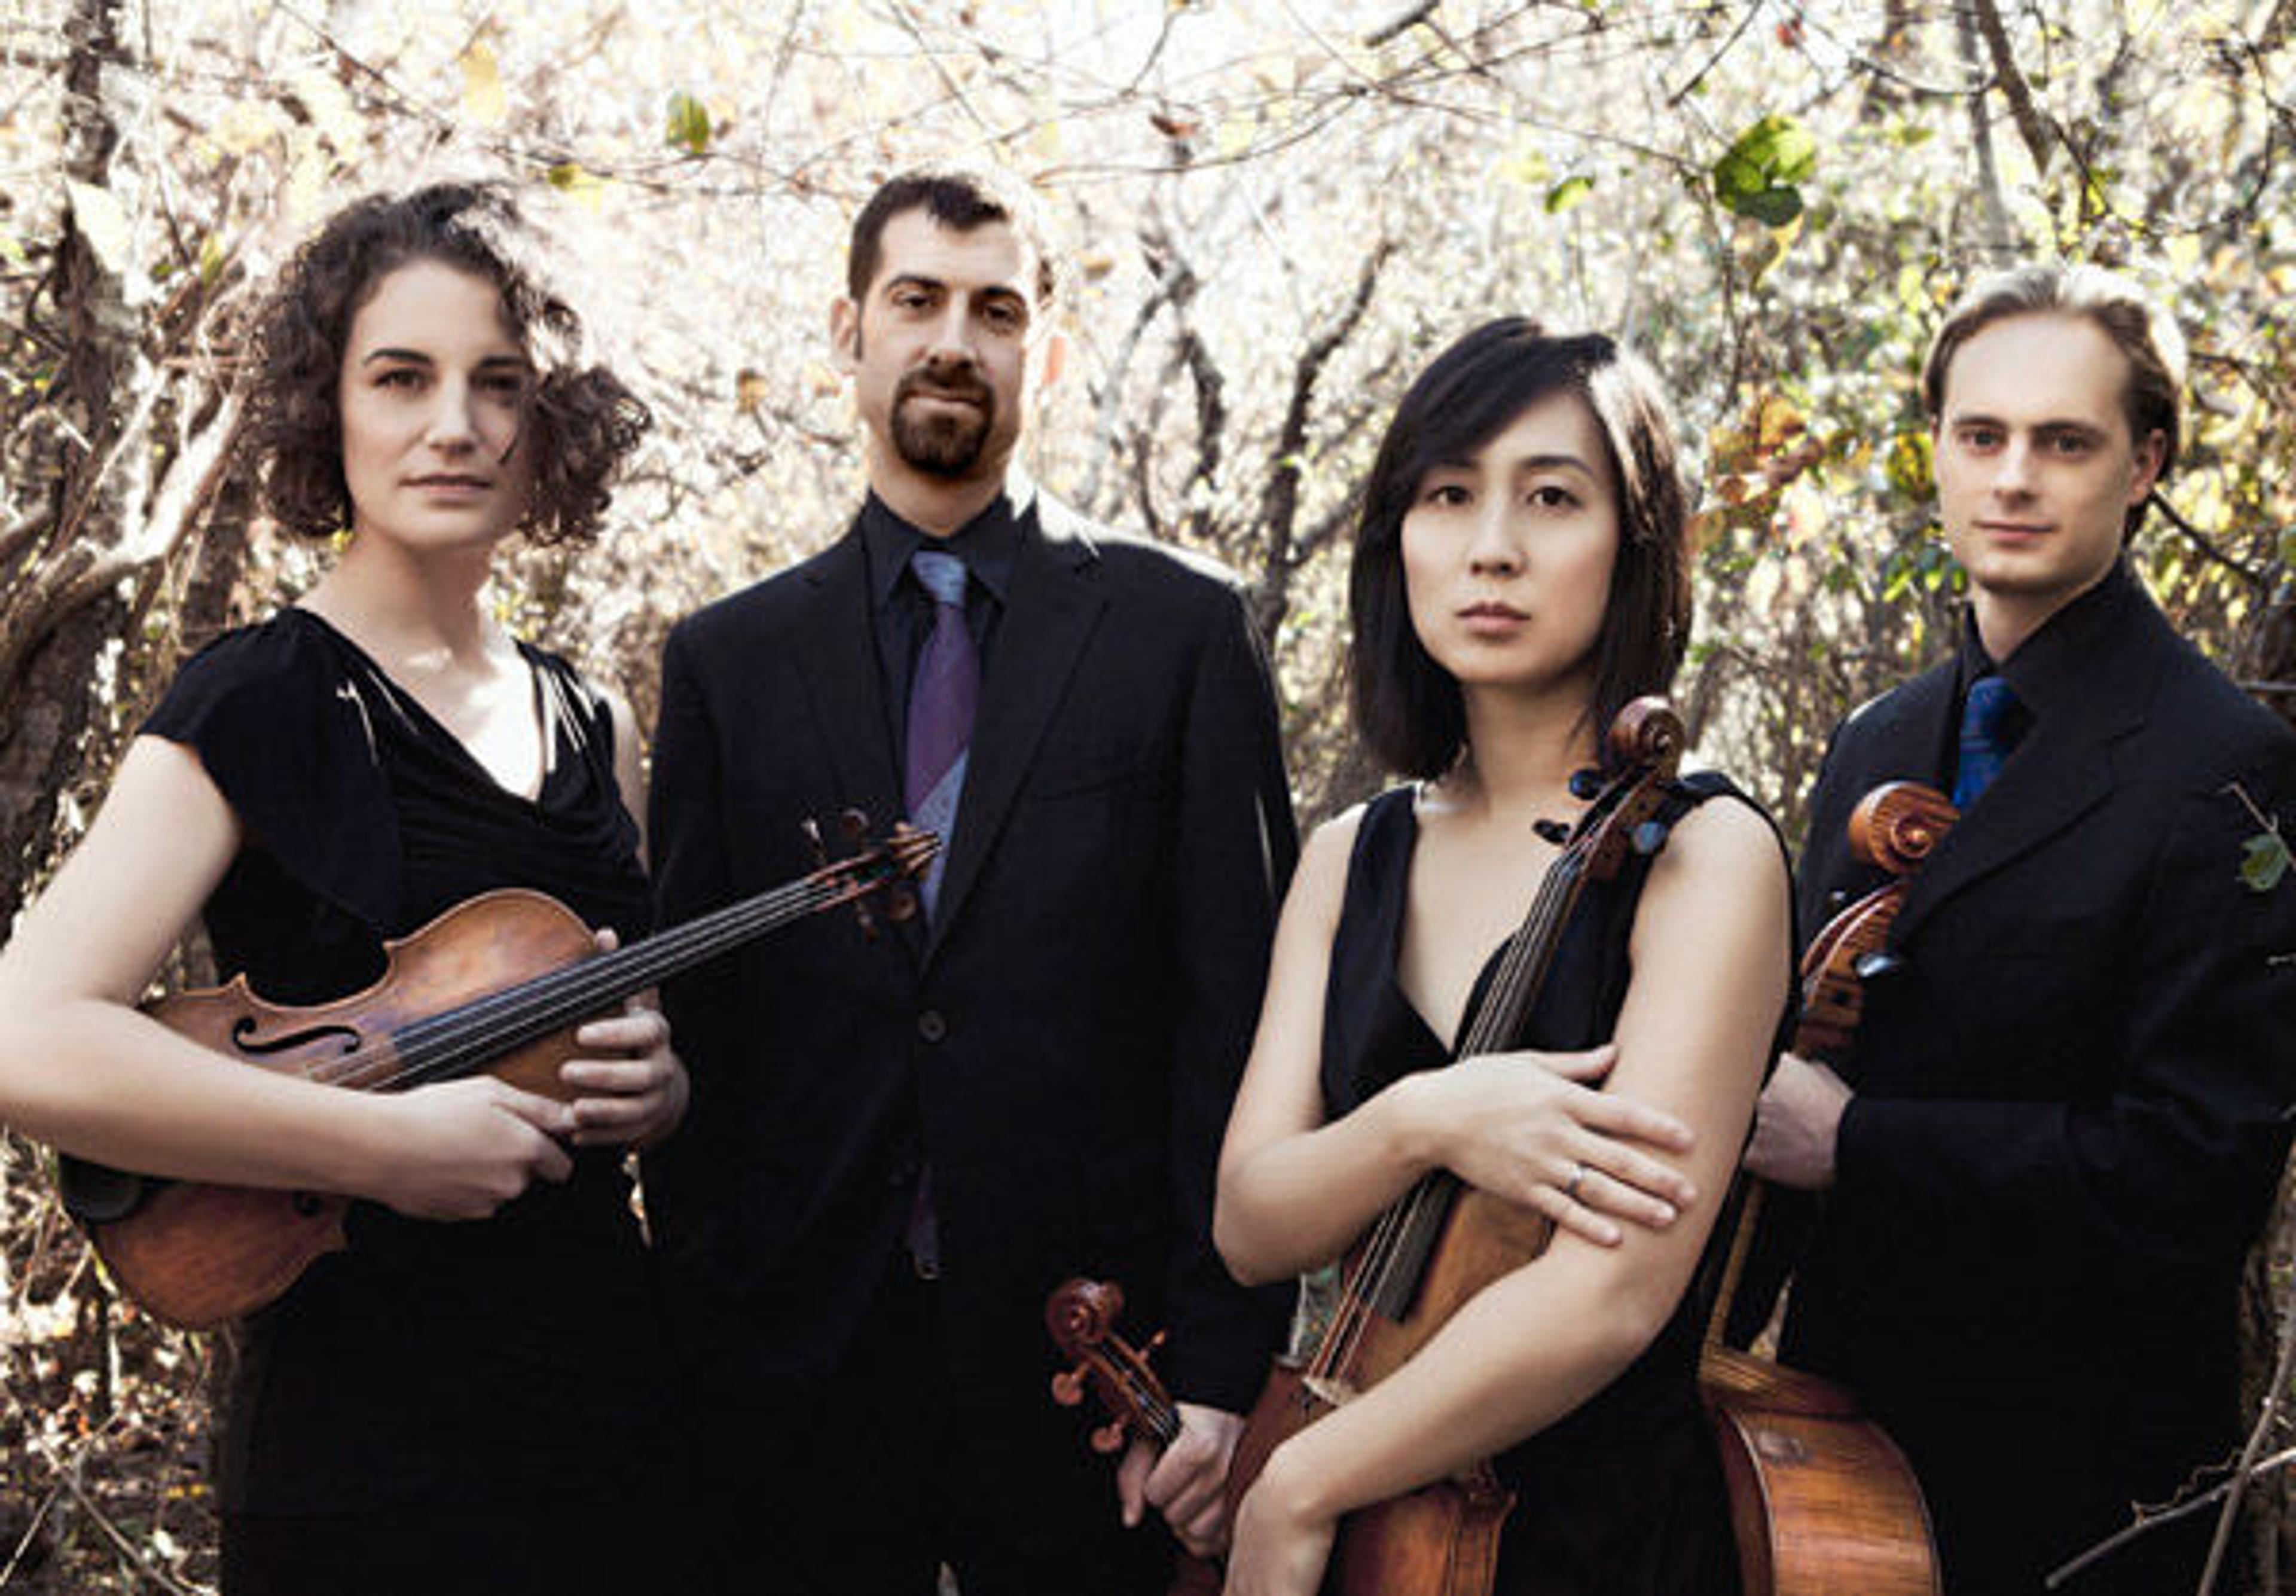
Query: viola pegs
[1552, 831]
[1585, 784]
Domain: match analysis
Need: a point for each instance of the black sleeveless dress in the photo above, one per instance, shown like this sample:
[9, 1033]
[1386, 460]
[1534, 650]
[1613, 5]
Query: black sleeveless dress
[1624, 1495]
[488, 1393]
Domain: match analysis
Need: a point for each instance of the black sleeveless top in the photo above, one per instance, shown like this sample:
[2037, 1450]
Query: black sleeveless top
[1622, 1494]
[429, 1363]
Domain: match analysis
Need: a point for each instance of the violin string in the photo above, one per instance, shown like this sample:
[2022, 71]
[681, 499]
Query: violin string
[453, 1044]
[445, 1044]
[1400, 1238]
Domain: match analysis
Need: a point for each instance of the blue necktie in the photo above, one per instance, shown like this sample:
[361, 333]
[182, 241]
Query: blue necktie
[1985, 744]
[943, 694]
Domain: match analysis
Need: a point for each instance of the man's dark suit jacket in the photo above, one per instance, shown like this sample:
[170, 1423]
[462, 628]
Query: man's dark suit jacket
[2069, 1118]
[1062, 1046]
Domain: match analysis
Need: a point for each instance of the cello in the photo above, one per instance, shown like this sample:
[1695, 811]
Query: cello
[497, 983]
[1821, 1503]
[1443, 1241]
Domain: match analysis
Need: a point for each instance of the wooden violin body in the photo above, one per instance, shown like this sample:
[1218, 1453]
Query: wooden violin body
[1821, 1503]
[495, 985]
[1444, 1241]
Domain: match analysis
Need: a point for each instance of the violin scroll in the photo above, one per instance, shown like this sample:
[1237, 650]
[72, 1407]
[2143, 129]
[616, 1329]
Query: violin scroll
[893, 864]
[1080, 1316]
[1646, 732]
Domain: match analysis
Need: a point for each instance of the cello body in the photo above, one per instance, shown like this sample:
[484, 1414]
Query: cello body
[1821, 1503]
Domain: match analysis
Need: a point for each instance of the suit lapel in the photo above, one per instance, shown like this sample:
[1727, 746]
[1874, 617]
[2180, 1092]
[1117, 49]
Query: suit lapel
[1054, 606]
[2062, 770]
[837, 656]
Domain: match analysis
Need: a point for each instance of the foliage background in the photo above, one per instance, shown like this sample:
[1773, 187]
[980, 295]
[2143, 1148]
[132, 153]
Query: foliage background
[1274, 210]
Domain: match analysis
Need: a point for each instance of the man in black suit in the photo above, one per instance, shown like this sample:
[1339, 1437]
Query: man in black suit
[2059, 1126]
[898, 1147]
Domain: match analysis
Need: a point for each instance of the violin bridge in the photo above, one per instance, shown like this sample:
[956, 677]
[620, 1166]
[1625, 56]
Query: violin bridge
[1328, 1389]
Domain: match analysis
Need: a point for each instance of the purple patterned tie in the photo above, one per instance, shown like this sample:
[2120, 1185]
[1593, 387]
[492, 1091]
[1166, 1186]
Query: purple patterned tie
[942, 697]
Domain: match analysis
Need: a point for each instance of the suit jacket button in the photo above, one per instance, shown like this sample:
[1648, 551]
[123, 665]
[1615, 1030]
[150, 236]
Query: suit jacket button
[930, 1025]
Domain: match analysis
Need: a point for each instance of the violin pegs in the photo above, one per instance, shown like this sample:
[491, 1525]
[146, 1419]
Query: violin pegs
[1552, 831]
[1650, 837]
[1585, 784]
[1109, 1438]
[1872, 966]
[811, 828]
[1068, 1386]
[853, 825]
[900, 905]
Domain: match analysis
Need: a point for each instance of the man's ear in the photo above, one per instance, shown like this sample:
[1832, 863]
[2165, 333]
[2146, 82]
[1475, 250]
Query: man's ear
[2150, 450]
[1051, 358]
[845, 334]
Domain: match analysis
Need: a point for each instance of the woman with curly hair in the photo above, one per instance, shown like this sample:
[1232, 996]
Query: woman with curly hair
[443, 1406]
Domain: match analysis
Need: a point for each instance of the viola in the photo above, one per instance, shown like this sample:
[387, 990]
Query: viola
[497, 983]
[1821, 1503]
[1080, 1316]
[1444, 1241]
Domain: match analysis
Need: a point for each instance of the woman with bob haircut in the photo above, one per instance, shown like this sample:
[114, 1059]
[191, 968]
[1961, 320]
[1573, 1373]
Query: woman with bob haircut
[444, 1406]
[1520, 573]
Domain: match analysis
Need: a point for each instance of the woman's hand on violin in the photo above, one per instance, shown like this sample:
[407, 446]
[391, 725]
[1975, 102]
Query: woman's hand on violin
[1283, 1542]
[463, 1150]
[1187, 1482]
[636, 1097]
[1534, 1129]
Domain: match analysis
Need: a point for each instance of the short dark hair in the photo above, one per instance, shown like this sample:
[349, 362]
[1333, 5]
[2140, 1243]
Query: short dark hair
[2139, 326]
[581, 421]
[1408, 708]
[959, 199]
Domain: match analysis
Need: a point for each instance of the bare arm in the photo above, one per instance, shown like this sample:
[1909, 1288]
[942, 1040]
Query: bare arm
[1295, 1191]
[1709, 956]
[81, 1069]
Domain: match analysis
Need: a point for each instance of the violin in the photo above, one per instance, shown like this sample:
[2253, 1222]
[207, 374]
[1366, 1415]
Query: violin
[1821, 1503]
[1080, 1316]
[497, 983]
[1444, 1241]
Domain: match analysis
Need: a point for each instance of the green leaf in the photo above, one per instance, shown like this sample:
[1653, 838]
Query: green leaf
[2266, 860]
[1758, 176]
[688, 128]
[1568, 194]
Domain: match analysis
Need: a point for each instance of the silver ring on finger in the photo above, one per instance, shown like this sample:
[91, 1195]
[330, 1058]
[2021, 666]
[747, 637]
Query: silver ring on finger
[1571, 1186]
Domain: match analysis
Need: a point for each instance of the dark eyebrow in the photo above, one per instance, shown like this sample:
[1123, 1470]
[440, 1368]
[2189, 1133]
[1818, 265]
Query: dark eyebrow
[417, 358]
[1555, 461]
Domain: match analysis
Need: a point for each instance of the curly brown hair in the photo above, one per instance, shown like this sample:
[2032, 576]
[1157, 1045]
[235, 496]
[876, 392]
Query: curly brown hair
[581, 420]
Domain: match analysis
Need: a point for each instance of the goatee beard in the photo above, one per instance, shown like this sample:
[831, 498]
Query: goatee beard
[945, 442]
